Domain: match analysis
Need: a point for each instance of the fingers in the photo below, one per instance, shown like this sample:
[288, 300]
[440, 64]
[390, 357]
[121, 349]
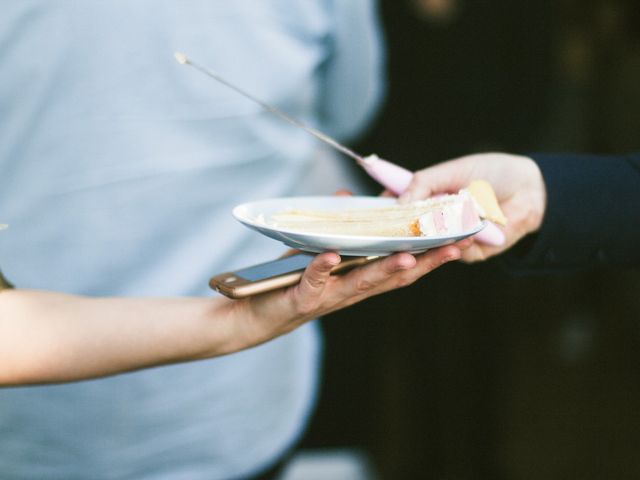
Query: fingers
[394, 271]
[475, 253]
[425, 263]
[319, 293]
[368, 280]
[364, 280]
[448, 177]
[433, 259]
[308, 293]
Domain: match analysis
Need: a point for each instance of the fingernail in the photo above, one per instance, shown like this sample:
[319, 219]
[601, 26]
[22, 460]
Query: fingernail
[335, 261]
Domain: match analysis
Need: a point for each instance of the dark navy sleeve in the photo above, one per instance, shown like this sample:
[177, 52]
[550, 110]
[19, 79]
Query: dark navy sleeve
[592, 217]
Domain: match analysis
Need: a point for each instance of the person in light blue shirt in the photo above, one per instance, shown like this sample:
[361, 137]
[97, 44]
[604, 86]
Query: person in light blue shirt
[118, 170]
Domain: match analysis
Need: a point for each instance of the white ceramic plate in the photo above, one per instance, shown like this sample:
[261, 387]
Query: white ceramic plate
[256, 215]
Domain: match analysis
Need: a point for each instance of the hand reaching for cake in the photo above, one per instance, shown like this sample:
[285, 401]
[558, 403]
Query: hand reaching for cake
[517, 182]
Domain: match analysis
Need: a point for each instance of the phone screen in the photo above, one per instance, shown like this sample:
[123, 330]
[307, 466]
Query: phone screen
[277, 267]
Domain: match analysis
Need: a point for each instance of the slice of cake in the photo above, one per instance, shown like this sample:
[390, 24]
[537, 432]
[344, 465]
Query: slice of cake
[444, 215]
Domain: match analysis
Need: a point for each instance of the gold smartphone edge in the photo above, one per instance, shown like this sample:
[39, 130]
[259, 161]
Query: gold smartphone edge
[248, 289]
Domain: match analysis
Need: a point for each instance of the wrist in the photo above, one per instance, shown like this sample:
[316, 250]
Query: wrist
[236, 325]
[537, 196]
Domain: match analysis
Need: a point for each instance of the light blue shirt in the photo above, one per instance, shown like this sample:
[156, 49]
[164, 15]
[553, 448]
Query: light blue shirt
[118, 172]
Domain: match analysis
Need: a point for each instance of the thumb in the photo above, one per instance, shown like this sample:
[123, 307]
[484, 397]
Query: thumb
[447, 177]
[314, 280]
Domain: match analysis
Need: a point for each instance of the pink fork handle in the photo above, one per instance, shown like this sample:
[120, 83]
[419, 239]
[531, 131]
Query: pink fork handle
[396, 179]
[391, 176]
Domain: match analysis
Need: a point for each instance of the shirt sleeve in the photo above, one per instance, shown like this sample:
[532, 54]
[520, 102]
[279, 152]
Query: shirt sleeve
[592, 217]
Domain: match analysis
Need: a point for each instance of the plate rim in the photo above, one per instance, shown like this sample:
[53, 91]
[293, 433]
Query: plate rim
[373, 243]
[258, 225]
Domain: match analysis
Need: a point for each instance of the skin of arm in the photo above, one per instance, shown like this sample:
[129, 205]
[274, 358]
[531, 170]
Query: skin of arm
[516, 180]
[50, 337]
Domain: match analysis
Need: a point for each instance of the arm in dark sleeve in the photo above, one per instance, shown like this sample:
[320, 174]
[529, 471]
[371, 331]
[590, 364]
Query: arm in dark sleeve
[592, 217]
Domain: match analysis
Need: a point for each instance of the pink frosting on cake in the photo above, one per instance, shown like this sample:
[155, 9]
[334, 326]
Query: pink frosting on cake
[470, 215]
[438, 221]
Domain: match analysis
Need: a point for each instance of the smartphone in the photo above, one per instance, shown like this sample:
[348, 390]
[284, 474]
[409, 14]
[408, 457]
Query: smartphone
[275, 274]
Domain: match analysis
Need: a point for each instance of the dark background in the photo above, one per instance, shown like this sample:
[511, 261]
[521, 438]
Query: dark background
[473, 373]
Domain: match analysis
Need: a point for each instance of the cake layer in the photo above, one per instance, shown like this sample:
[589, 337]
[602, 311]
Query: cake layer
[445, 215]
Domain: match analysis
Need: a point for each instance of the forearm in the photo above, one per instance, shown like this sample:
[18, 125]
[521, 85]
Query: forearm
[51, 337]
